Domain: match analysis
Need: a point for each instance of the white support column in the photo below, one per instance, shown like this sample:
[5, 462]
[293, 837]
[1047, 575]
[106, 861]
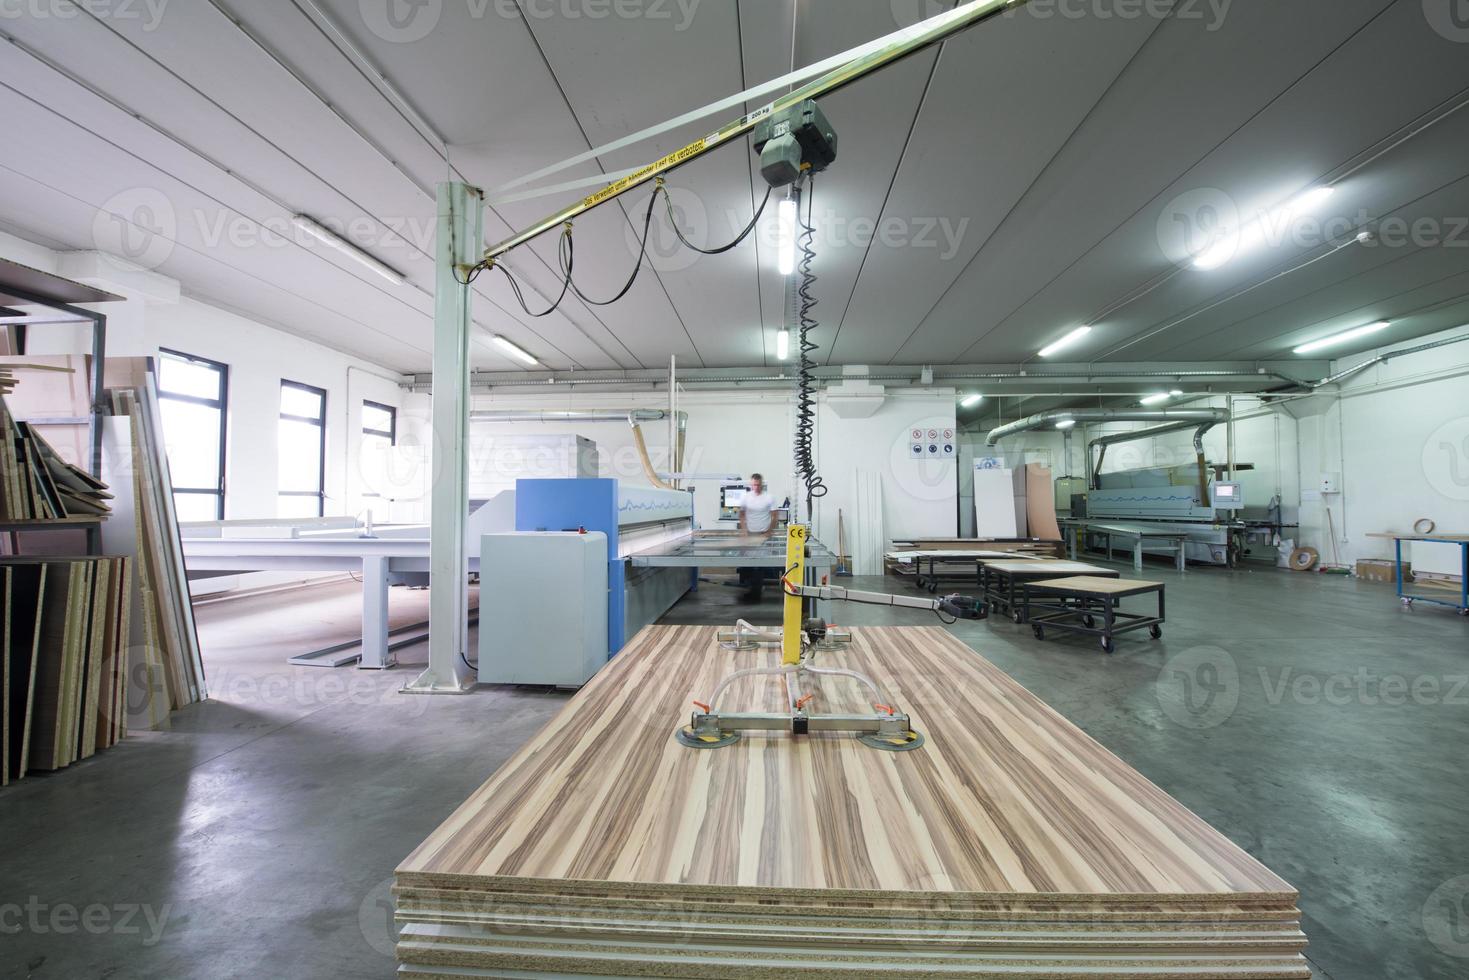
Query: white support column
[459, 242]
[375, 652]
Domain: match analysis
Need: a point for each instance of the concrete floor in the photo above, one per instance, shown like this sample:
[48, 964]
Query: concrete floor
[1311, 719]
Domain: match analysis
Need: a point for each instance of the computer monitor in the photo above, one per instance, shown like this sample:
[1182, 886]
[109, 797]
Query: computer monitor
[1228, 496]
[731, 497]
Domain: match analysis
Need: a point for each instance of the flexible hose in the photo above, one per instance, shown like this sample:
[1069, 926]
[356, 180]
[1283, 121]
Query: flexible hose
[805, 379]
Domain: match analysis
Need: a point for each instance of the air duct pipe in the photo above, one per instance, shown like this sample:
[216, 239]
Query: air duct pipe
[1198, 416]
[1116, 437]
[633, 416]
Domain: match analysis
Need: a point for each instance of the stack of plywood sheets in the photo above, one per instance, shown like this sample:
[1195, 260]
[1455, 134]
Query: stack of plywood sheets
[64, 633]
[1010, 844]
[168, 655]
[36, 483]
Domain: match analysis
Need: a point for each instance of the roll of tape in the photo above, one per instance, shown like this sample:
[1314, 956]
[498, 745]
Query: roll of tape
[1304, 559]
[1423, 526]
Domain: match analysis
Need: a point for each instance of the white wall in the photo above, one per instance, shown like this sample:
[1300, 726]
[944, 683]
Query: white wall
[740, 432]
[1399, 436]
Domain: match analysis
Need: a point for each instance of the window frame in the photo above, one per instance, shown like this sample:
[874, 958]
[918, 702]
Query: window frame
[391, 433]
[221, 405]
[320, 423]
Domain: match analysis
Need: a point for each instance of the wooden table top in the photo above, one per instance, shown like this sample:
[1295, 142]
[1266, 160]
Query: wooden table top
[1005, 798]
[1051, 567]
[1411, 536]
[1093, 584]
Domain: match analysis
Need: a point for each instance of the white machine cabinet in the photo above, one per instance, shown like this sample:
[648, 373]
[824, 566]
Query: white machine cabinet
[542, 608]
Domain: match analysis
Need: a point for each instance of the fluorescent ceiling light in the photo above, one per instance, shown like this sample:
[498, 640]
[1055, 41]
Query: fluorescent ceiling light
[1237, 241]
[786, 237]
[1065, 423]
[1065, 341]
[329, 237]
[971, 401]
[1342, 338]
[782, 345]
[513, 351]
[1158, 398]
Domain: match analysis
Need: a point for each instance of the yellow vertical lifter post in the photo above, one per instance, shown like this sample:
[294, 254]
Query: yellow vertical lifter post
[794, 610]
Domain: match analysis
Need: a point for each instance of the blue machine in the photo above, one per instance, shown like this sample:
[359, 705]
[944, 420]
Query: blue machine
[632, 518]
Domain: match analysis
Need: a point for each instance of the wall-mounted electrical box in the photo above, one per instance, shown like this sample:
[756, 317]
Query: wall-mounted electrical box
[1331, 483]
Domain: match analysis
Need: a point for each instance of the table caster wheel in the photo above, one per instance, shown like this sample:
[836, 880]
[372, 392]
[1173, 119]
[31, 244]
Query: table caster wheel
[933, 588]
[1017, 618]
[1039, 631]
[1155, 631]
[1090, 622]
[922, 583]
[1107, 645]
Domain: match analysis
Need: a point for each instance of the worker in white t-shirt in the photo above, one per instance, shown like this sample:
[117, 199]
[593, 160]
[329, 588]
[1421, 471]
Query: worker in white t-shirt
[757, 520]
[756, 517]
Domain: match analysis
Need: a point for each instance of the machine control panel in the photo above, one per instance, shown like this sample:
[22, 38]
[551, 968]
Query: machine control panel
[1228, 496]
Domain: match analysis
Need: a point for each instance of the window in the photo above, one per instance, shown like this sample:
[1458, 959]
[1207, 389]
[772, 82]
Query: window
[379, 434]
[301, 451]
[192, 397]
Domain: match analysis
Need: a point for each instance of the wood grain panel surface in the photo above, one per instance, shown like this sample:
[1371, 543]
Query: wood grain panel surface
[1006, 798]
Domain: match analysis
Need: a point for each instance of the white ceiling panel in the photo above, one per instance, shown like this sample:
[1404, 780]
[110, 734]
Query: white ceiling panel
[983, 201]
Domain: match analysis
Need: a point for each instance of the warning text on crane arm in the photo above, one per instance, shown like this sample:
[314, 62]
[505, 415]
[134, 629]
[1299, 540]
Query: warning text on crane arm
[638, 176]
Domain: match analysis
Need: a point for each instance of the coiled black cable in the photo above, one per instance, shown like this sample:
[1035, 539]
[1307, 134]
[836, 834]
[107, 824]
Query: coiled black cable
[805, 457]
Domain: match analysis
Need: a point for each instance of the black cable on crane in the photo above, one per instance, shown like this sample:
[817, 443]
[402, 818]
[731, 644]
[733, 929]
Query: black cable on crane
[566, 253]
[673, 222]
[805, 456]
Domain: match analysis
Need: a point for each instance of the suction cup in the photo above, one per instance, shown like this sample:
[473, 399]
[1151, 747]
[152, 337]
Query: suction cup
[905, 742]
[688, 737]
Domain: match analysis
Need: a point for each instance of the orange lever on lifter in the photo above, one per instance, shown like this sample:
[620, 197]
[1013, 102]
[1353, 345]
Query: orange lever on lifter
[883, 707]
[701, 704]
[802, 702]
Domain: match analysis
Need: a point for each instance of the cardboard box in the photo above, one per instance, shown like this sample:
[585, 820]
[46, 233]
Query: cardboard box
[1380, 570]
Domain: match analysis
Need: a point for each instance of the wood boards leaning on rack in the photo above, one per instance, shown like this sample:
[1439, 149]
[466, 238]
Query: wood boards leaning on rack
[36, 484]
[166, 655]
[64, 635]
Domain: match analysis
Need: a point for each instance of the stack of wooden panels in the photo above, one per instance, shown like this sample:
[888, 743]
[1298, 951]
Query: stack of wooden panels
[168, 658]
[36, 484]
[64, 630]
[1010, 844]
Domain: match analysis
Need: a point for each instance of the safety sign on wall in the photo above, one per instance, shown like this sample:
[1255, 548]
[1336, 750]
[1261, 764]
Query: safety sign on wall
[931, 443]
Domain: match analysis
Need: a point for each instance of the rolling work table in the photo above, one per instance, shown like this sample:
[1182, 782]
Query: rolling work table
[1140, 534]
[1408, 598]
[1000, 581]
[1076, 603]
[966, 559]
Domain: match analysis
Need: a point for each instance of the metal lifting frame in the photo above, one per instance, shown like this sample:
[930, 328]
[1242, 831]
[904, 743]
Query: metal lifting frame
[886, 727]
[923, 35]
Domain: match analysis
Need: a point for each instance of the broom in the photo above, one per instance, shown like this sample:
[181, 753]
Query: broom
[843, 568]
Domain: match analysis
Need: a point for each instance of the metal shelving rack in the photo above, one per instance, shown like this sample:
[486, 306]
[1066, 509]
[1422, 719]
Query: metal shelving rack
[21, 285]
